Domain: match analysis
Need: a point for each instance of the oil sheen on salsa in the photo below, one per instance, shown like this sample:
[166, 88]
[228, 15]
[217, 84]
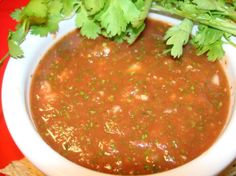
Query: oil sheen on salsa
[128, 109]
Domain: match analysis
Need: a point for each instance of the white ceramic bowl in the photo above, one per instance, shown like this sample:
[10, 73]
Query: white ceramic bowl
[15, 98]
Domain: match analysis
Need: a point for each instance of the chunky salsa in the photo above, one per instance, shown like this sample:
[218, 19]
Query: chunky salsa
[128, 109]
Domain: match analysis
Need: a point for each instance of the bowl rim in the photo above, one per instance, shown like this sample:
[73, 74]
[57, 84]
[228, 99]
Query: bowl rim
[15, 87]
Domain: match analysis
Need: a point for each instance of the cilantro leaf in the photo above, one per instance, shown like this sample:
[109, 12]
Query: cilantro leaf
[14, 49]
[215, 51]
[129, 10]
[50, 27]
[88, 27]
[209, 40]
[139, 4]
[112, 19]
[68, 7]
[144, 10]
[117, 14]
[52, 21]
[17, 15]
[41, 30]
[36, 8]
[19, 34]
[16, 38]
[178, 36]
[55, 7]
[130, 35]
[207, 35]
[133, 33]
[93, 6]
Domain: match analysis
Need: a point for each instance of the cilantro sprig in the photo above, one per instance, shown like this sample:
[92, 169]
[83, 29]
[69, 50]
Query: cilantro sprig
[124, 20]
[216, 19]
[178, 36]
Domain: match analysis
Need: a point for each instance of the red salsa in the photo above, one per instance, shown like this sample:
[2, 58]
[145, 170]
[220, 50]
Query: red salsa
[128, 109]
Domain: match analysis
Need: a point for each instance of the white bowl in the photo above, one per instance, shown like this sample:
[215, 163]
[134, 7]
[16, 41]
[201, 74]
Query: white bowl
[15, 97]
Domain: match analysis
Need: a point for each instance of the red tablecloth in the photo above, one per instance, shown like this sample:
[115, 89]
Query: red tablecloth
[8, 149]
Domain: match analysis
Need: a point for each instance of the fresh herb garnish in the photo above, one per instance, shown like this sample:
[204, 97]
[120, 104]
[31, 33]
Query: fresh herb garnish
[178, 36]
[216, 19]
[123, 20]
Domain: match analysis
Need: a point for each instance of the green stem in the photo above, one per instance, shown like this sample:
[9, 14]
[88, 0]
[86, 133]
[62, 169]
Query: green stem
[230, 42]
[218, 23]
[4, 58]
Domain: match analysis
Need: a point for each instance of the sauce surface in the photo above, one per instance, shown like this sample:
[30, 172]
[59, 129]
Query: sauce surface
[124, 109]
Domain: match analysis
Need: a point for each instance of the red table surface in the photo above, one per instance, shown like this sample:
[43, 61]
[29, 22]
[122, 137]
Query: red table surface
[8, 149]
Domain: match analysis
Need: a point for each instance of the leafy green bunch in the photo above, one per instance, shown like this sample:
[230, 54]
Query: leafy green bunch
[124, 20]
[216, 21]
[40, 17]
